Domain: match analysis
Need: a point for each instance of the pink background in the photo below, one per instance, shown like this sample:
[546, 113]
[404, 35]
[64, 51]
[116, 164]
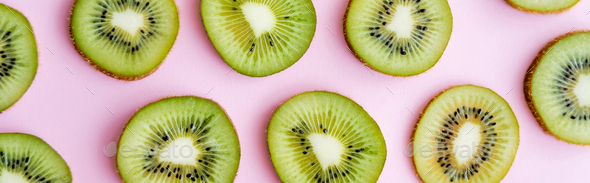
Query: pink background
[492, 45]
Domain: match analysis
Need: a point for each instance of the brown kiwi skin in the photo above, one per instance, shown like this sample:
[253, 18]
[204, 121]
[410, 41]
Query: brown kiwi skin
[538, 12]
[349, 46]
[174, 96]
[528, 97]
[98, 67]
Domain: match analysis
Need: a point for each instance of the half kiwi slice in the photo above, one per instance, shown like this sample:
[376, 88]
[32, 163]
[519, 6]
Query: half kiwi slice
[259, 38]
[18, 56]
[557, 87]
[542, 6]
[398, 37]
[27, 158]
[325, 137]
[179, 139]
[465, 134]
[124, 39]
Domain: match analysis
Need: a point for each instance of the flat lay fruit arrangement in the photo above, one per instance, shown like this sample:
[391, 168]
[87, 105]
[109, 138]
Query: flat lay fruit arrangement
[294, 91]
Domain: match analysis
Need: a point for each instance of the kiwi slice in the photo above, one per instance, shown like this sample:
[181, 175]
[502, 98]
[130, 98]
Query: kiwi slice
[18, 56]
[179, 139]
[325, 137]
[557, 87]
[259, 38]
[465, 134]
[542, 6]
[398, 37]
[124, 39]
[27, 158]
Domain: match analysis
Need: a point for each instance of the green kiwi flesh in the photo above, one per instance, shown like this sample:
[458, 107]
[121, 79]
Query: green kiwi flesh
[27, 158]
[18, 56]
[179, 139]
[542, 6]
[557, 88]
[325, 137]
[465, 134]
[259, 38]
[398, 37]
[125, 39]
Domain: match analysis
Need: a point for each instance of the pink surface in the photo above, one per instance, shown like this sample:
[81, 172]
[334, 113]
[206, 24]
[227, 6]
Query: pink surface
[492, 45]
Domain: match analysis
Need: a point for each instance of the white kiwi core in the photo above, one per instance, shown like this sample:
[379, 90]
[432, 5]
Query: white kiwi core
[327, 149]
[582, 90]
[7, 176]
[259, 16]
[128, 20]
[467, 142]
[402, 22]
[181, 151]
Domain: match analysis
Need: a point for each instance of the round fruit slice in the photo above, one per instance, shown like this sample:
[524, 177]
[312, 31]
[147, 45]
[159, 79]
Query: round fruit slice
[325, 137]
[259, 38]
[557, 88]
[124, 39]
[179, 139]
[398, 37]
[27, 158]
[18, 56]
[542, 6]
[466, 134]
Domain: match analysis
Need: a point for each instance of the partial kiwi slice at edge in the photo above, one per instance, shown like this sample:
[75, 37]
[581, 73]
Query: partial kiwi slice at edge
[259, 38]
[124, 39]
[542, 6]
[18, 56]
[179, 139]
[557, 87]
[398, 37]
[325, 137]
[465, 134]
[27, 158]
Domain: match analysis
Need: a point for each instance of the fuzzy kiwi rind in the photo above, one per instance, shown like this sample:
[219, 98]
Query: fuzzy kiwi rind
[538, 12]
[424, 111]
[279, 173]
[41, 144]
[528, 79]
[349, 47]
[174, 96]
[98, 67]
[28, 25]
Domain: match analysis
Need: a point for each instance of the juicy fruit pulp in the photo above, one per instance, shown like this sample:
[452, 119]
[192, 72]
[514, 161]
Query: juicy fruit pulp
[18, 56]
[466, 134]
[177, 140]
[557, 88]
[26, 158]
[259, 38]
[125, 39]
[398, 37]
[325, 137]
[542, 6]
